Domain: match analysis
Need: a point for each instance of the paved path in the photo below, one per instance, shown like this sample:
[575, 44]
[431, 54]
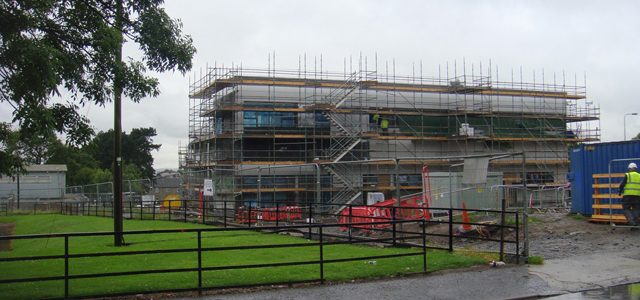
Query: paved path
[485, 283]
[586, 272]
[556, 276]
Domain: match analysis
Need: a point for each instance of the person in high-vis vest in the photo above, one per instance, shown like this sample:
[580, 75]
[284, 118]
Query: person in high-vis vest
[376, 121]
[384, 124]
[630, 190]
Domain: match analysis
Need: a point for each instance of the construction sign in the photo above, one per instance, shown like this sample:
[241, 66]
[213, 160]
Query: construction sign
[208, 187]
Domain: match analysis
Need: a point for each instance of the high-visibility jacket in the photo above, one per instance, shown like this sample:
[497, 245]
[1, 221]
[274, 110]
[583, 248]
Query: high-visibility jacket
[632, 187]
[384, 124]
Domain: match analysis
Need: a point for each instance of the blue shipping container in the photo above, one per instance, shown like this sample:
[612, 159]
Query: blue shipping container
[589, 159]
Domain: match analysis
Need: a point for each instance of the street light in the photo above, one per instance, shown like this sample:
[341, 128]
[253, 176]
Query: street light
[625, 123]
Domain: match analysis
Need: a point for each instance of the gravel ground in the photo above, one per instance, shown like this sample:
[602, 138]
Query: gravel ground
[558, 235]
[554, 235]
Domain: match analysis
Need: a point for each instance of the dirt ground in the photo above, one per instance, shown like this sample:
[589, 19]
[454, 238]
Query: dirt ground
[553, 234]
[559, 235]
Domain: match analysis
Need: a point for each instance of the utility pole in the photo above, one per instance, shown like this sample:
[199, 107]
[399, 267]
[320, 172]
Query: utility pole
[117, 131]
[625, 123]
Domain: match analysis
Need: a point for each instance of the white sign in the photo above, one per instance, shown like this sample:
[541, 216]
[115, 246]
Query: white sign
[148, 200]
[208, 187]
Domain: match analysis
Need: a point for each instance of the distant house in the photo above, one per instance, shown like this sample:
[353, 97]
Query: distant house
[39, 182]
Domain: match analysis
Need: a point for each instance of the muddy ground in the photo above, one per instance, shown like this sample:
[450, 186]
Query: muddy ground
[552, 234]
[558, 234]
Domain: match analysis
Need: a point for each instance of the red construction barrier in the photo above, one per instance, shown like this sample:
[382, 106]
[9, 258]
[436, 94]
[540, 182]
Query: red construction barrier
[414, 208]
[410, 209]
[242, 216]
[283, 213]
[270, 214]
[365, 214]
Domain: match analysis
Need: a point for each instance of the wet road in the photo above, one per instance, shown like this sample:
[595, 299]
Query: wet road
[564, 277]
[484, 283]
[626, 291]
[586, 272]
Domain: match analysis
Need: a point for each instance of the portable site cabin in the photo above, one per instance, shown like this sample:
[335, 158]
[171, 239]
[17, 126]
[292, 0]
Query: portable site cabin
[38, 182]
[595, 173]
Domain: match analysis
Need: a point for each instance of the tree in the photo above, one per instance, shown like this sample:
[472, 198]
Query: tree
[15, 151]
[84, 176]
[80, 163]
[139, 144]
[10, 159]
[53, 45]
[101, 148]
[101, 175]
[37, 150]
[131, 172]
[637, 137]
[136, 149]
[78, 45]
[91, 163]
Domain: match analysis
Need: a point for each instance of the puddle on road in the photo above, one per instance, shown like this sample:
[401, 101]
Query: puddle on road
[629, 291]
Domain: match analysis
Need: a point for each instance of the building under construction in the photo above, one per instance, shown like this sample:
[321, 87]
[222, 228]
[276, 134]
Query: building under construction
[252, 127]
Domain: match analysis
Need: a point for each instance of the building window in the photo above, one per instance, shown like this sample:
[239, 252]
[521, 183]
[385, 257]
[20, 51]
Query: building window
[539, 177]
[255, 119]
[321, 120]
[249, 119]
[369, 179]
[410, 179]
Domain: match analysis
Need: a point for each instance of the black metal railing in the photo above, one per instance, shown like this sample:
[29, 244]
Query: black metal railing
[316, 221]
[246, 214]
[319, 235]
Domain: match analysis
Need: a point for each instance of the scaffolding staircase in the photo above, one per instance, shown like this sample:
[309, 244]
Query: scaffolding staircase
[347, 183]
[340, 94]
[345, 139]
[345, 132]
[346, 135]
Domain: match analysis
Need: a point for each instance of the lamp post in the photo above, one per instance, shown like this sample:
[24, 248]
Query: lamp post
[625, 123]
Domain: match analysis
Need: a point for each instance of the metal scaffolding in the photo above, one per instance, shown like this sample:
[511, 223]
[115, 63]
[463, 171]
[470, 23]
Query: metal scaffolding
[241, 118]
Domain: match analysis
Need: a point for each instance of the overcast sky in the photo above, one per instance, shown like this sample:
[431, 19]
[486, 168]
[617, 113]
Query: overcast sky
[600, 39]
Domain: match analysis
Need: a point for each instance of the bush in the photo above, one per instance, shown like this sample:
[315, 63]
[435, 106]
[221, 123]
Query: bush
[535, 260]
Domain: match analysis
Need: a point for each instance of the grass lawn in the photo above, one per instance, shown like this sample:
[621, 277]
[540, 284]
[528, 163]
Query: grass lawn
[436, 260]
